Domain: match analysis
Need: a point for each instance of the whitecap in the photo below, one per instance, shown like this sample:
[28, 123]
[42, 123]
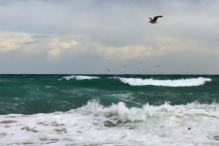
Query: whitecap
[80, 77]
[48, 86]
[168, 83]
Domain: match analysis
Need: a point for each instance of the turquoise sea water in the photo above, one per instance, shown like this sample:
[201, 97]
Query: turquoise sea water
[31, 94]
[109, 109]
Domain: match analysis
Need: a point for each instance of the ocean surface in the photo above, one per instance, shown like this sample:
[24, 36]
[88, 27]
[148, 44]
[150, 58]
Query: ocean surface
[109, 110]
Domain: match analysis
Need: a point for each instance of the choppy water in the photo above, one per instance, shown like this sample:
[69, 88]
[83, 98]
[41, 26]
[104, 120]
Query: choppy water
[155, 110]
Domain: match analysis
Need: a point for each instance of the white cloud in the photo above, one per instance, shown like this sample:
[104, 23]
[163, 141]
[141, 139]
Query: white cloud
[54, 53]
[13, 40]
[58, 46]
[27, 44]
[156, 47]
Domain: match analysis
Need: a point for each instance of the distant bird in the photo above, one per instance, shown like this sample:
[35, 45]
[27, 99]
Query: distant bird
[108, 70]
[154, 21]
[124, 66]
[157, 66]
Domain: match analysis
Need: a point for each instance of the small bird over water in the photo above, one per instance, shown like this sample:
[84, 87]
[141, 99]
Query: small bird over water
[153, 21]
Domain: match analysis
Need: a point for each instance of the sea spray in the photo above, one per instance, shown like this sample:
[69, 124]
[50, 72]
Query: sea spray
[103, 110]
[166, 125]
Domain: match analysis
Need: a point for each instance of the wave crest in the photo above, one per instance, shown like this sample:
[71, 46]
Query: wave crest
[168, 83]
[120, 112]
[80, 77]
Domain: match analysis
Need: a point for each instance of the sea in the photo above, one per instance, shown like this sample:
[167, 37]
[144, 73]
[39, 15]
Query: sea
[109, 110]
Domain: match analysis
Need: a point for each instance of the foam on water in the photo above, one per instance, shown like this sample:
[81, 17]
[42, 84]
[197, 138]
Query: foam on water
[168, 83]
[94, 124]
[48, 86]
[80, 77]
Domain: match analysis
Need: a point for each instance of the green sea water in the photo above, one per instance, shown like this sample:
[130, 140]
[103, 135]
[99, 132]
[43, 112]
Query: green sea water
[109, 110]
[31, 94]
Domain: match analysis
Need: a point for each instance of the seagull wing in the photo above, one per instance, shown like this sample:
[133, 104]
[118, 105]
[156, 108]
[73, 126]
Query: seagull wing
[151, 19]
[156, 17]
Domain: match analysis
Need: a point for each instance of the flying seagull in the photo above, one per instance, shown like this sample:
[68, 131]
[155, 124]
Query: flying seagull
[108, 70]
[153, 21]
[124, 66]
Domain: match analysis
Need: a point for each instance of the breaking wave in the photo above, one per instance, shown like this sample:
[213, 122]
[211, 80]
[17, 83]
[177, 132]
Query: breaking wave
[168, 83]
[95, 124]
[80, 77]
[135, 114]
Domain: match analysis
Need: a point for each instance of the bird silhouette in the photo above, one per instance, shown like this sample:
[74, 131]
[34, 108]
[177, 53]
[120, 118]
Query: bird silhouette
[154, 21]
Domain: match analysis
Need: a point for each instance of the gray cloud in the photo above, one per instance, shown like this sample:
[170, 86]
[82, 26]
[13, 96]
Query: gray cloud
[186, 37]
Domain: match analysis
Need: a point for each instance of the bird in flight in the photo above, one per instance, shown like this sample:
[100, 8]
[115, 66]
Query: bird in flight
[124, 66]
[154, 21]
[108, 70]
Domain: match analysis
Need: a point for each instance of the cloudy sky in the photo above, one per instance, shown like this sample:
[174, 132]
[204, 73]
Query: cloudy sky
[90, 36]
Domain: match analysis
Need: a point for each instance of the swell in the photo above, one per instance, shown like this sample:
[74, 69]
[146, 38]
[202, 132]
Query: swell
[107, 80]
[143, 81]
[31, 94]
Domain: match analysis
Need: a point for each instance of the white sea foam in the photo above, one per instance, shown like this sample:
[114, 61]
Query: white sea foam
[93, 124]
[80, 77]
[48, 86]
[168, 83]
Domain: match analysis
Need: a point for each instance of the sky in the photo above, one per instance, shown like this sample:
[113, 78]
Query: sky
[91, 36]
